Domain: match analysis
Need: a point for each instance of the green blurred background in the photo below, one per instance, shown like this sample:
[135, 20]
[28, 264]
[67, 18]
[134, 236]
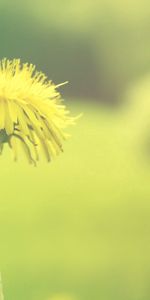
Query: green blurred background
[79, 228]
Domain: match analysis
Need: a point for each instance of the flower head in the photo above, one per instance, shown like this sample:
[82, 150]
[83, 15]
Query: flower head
[31, 111]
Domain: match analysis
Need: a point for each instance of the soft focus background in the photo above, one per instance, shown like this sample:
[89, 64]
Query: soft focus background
[79, 228]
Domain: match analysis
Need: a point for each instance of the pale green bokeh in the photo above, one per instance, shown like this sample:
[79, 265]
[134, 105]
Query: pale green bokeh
[80, 226]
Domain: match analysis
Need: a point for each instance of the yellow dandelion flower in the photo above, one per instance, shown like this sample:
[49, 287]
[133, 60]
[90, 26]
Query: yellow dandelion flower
[31, 111]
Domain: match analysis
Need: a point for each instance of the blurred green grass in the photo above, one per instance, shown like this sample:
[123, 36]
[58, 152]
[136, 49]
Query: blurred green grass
[79, 225]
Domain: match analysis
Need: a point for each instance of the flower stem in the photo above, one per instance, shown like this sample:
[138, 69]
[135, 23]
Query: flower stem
[1, 289]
